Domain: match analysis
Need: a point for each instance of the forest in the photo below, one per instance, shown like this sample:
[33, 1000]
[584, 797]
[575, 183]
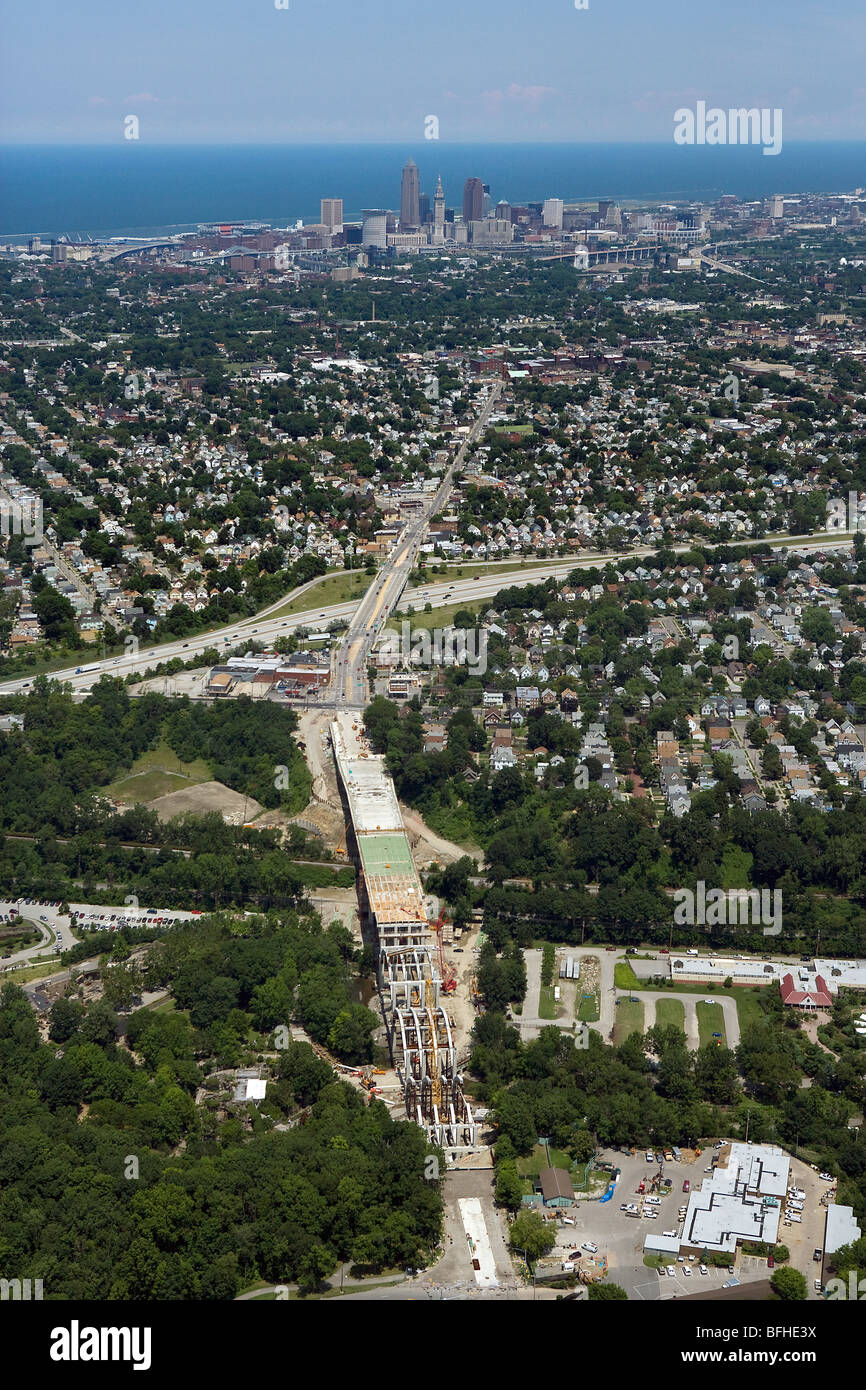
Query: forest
[116, 1185]
[55, 767]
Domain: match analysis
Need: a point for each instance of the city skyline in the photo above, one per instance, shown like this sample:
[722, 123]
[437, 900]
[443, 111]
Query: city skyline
[494, 72]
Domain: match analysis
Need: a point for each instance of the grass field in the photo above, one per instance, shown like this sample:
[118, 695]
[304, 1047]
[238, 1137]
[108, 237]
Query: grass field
[155, 773]
[624, 977]
[588, 1009]
[440, 617]
[671, 1013]
[546, 1002]
[629, 1019]
[710, 1020]
[746, 998]
[531, 1167]
[335, 588]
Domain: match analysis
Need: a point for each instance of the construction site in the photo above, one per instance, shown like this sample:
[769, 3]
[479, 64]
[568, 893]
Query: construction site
[414, 977]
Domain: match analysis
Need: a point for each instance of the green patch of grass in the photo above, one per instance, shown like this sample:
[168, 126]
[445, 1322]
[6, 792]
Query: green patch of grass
[628, 1020]
[546, 1002]
[710, 1020]
[588, 1009]
[623, 976]
[513, 429]
[440, 616]
[339, 587]
[155, 773]
[671, 1013]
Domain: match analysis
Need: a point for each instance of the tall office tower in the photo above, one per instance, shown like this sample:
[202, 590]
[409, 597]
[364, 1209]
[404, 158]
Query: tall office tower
[439, 213]
[473, 200]
[552, 213]
[777, 207]
[604, 206]
[409, 197]
[375, 229]
[332, 214]
[423, 209]
[503, 211]
[486, 201]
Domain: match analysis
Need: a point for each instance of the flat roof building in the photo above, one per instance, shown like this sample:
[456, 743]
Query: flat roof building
[740, 1201]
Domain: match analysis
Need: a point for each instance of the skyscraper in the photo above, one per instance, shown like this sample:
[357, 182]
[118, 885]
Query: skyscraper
[410, 215]
[552, 213]
[473, 200]
[439, 213]
[332, 214]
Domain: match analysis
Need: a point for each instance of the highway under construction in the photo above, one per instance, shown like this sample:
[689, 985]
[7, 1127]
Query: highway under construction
[412, 983]
[413, 977]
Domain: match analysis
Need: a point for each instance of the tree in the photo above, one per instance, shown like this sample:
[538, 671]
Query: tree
[599, 1293]
[531, 1233]
[509, 1188]
[789, 1284]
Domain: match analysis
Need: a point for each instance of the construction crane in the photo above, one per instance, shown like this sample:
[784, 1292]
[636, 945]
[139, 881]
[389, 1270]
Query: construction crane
[433, 1054]
[446, 970]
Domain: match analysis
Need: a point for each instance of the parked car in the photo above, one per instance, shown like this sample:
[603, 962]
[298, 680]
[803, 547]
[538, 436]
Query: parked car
[687, 1271]
[826, 1177]
[817, 1254]
[703, 1269]
[771, 1263]
[672, 1272]
[591, 1246]
[687, 1187]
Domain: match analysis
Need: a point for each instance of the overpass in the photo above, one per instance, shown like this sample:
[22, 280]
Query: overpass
[391, 901]
[614, 255]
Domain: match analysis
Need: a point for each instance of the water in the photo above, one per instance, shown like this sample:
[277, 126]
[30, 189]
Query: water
[133, 188]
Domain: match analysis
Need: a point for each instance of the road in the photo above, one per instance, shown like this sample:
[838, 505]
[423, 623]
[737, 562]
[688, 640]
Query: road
[349, 682]
[265, 627]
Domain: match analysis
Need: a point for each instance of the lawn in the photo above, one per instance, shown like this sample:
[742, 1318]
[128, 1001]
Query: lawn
[624, 977]
[629, 1019]
[710, 1020]
[340, 587]
[588, 1009]
[671, 1013]
[546, 1002]
[156, 772]
[440, 616]
[746, 998]
[531, 1167]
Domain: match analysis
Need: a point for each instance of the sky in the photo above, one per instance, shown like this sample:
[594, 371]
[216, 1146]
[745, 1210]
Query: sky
[245, 71]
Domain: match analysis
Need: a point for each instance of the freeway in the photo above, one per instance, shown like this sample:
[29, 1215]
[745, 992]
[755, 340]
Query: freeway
[267, 625]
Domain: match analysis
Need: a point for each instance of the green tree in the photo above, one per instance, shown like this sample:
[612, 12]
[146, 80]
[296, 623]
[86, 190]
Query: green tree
[532, 1234]
[789, 1284]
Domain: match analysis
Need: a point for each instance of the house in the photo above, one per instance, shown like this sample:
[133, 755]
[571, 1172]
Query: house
[804, 996]
[556, 1187]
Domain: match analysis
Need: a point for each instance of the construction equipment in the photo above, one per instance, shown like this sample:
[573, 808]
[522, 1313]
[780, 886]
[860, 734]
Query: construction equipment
[433, 1055]
[446, 970]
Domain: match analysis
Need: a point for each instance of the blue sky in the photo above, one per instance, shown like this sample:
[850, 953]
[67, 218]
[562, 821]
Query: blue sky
[371, 70]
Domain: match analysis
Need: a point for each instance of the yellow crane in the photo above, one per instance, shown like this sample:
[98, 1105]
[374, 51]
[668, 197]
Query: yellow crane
[433, 1054]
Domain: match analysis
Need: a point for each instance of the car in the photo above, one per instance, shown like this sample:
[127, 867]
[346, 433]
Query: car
[717, 1035]
[671, 1272]
[575, 1255]
[687, 1271]
[660, 1158]
[687, 1187]
[771, 1263]
[591, 1246]
[818, 1286]
[703, 1269]
[649, 1155]
[709, 1001]
[671, 1235]
[826, 1177]
[817, 1254]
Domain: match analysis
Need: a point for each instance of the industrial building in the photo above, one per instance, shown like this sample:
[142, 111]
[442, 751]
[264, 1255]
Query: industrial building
[392, 900]
[741, 1200]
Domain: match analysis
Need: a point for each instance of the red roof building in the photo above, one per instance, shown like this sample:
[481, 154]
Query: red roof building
[816, 998]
